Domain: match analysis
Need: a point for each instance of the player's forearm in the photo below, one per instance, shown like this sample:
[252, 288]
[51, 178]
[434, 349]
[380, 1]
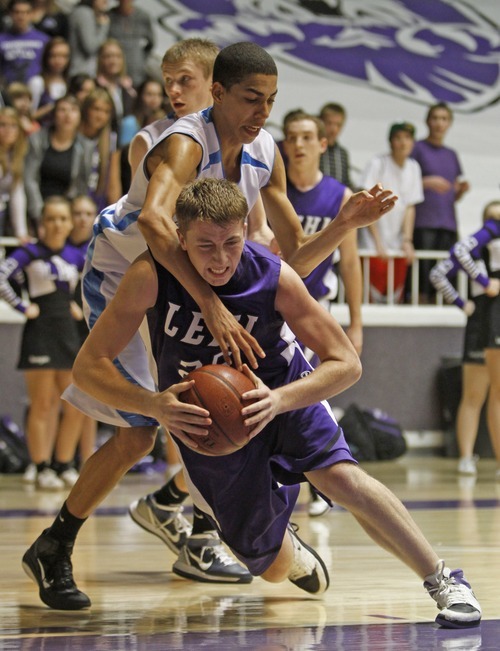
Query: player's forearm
[353, 283]
[99, 378]
[316, 248]
[328, 380]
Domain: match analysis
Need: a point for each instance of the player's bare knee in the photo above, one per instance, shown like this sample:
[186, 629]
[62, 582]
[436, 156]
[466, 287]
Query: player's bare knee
[134, 443]
[340, 482]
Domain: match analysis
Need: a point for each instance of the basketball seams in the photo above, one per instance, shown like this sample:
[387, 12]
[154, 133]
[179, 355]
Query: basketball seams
[221, 379]
[219, 389]
[214, 422]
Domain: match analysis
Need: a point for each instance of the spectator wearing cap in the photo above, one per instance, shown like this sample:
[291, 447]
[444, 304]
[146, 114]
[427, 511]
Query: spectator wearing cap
[394, 231]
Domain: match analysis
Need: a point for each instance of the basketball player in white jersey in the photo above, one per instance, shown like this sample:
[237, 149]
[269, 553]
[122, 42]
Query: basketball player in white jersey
[228, 141]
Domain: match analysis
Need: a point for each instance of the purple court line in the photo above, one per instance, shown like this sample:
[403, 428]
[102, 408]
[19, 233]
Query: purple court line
[411, 505]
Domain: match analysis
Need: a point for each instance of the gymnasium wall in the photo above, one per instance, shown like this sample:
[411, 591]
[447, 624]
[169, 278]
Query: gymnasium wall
[400, 371]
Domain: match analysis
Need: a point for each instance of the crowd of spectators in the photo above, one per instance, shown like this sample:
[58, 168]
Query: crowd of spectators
[95, 56]
[75, 90]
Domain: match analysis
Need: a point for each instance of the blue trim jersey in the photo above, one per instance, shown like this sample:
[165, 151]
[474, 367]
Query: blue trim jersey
[117, 242]
[119, 224]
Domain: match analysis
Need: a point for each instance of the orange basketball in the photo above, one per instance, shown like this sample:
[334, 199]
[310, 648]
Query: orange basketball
[218, 388]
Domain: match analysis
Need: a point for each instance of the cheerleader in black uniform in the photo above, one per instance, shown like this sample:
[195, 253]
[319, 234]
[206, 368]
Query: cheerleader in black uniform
[50, 340]
[479, 256]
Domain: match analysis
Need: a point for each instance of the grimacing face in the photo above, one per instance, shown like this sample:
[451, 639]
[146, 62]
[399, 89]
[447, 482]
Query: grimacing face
[214, 251]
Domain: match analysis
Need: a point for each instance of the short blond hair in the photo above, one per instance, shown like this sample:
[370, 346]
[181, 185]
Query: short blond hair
[216, 201]
[200, 51]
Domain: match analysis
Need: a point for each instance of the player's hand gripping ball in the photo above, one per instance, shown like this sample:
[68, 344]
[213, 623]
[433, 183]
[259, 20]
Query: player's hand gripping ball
[218, 389]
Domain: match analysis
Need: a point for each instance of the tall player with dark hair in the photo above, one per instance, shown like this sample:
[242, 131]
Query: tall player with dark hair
[223, 141]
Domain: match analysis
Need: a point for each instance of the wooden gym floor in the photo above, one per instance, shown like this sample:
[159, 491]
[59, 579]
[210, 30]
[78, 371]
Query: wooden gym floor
[373, 602]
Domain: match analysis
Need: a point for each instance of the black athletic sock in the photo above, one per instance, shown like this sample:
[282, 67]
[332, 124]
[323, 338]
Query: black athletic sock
[66, 526]
[40, 467]
[169, 494]
[201, 523]
[61, 466]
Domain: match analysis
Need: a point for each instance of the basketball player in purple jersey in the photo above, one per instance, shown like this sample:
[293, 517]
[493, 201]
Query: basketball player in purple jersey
[226, 140]
[317, 199]
[251, 493]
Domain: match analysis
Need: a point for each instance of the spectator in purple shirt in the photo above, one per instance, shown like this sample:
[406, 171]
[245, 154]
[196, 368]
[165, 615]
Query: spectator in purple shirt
[435, 219]
[21, 45]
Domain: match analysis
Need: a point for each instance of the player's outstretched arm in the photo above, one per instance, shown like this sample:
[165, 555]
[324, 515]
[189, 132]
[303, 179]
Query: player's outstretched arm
[362, 209]
[304, 253]
[172, 164]
[95, 373]
[352, 277]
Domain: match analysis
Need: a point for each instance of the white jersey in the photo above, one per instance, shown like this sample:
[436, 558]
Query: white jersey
[117, 243]
[153, 131]
[257, 160]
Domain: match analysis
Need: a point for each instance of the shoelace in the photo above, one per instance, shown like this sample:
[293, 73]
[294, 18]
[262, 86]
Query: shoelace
[219, 553]
[449, 590]
[179, 522]
[61, 570]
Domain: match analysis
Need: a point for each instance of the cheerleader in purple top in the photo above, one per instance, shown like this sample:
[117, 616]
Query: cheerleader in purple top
[479, 256]
[50, 339]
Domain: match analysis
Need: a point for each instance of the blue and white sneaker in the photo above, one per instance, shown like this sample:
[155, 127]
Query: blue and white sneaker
[204, 558]
[166, 522]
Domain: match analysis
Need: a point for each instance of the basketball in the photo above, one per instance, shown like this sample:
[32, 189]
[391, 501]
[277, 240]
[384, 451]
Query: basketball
[218, 388]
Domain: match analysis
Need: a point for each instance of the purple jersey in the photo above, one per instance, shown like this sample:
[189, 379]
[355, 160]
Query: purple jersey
[50, 277]
[250, 494]
[21, 55]
[316, 208]
[181, 341]
[438, 209]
